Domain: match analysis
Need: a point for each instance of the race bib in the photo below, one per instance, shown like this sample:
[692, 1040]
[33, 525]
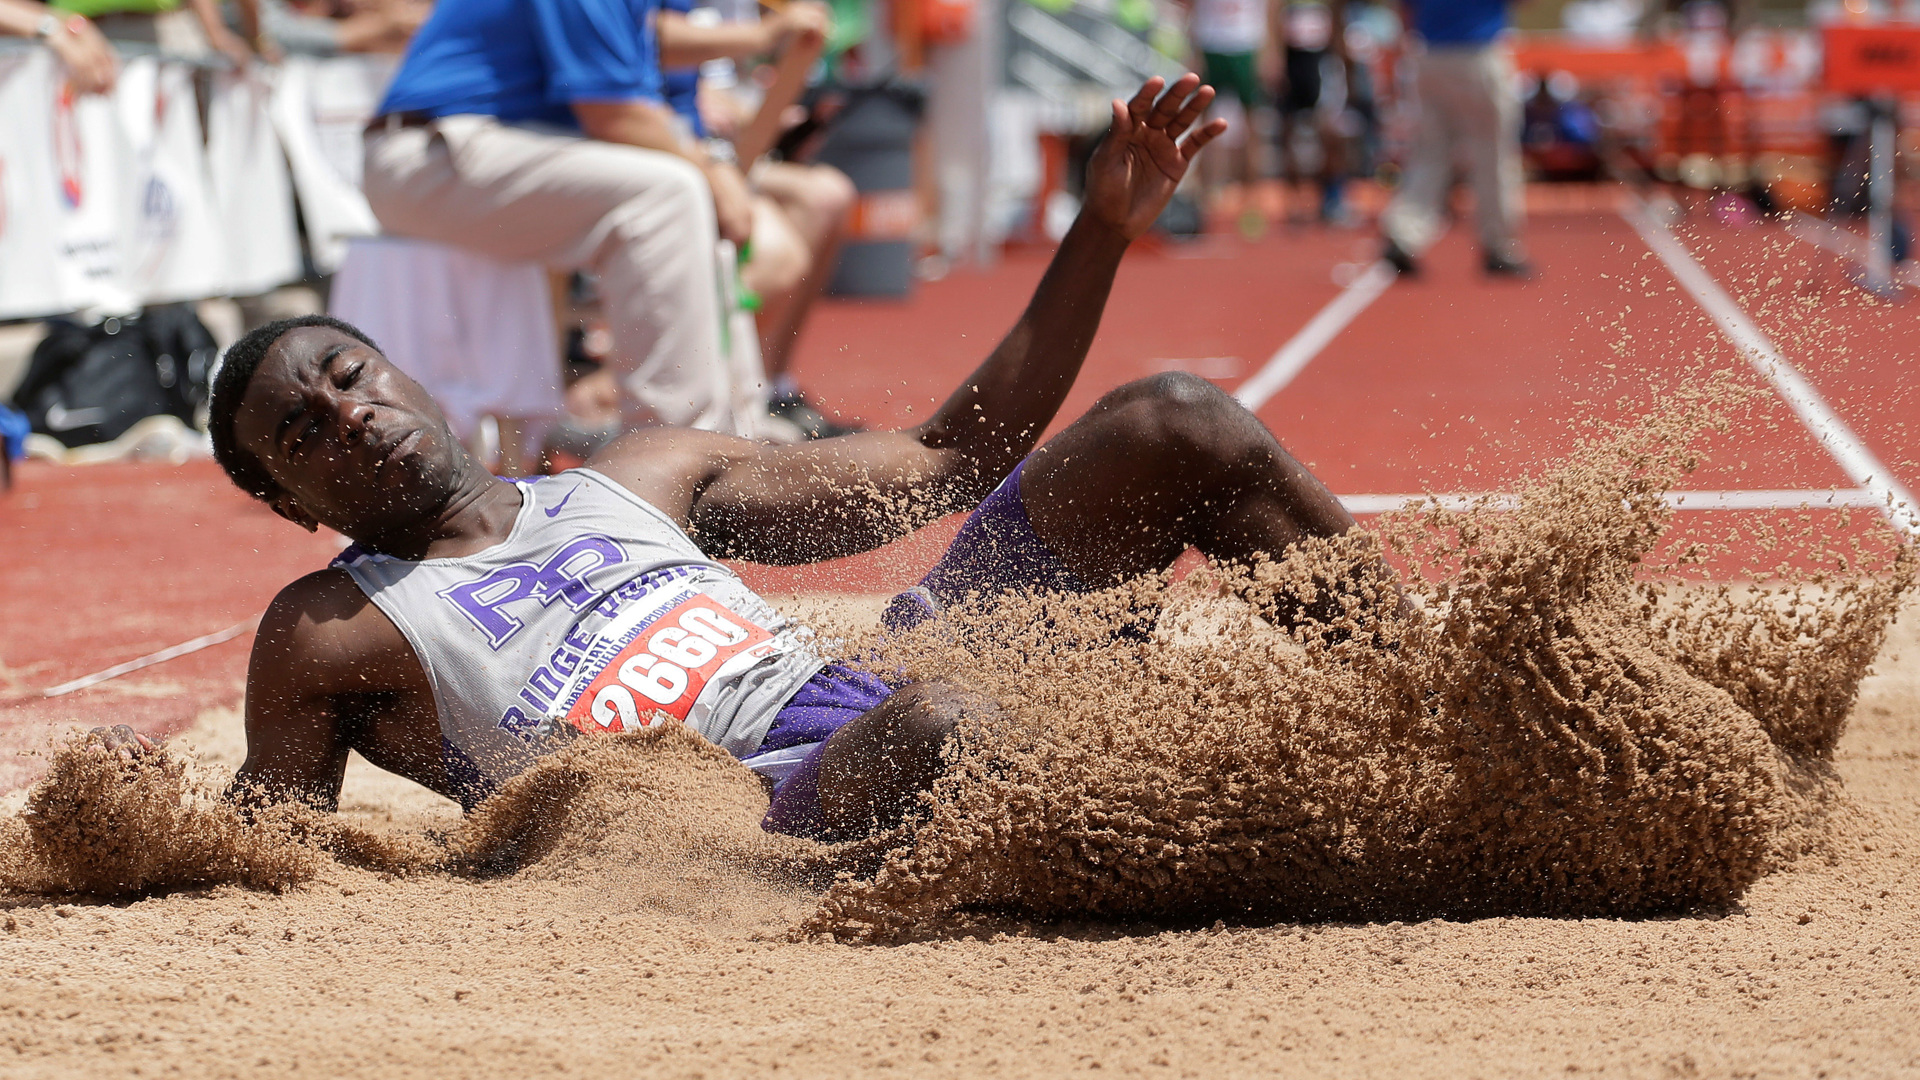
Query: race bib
[659, 659]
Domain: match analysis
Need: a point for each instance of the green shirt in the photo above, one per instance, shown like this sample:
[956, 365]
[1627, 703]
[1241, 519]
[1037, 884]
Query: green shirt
[95, 8]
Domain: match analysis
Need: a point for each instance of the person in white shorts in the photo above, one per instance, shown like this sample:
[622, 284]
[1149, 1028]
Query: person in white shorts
[1231, 37]
[534, 131]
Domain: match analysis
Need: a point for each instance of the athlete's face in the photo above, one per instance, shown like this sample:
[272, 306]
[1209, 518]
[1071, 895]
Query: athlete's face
[353, 442]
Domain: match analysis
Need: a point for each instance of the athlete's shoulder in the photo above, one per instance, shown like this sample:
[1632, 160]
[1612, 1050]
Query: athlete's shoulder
[325, 617]
[328, 591]
[669, 467]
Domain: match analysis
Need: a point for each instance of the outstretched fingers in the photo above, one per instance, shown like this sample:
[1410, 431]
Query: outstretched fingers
[1168, 107]
[1193, 143]
[1142, 104]
[1195, 105]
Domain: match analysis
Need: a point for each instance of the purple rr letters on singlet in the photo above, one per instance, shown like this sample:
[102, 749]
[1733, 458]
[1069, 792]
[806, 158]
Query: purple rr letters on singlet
[562, 577]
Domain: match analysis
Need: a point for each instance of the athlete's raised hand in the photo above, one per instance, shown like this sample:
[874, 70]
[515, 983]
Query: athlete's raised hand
[1134, 172]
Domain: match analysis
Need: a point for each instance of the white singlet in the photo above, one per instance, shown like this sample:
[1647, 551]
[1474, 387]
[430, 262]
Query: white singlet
[597, 613]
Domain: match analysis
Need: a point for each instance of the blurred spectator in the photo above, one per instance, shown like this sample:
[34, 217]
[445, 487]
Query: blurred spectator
[800, 211]
[91, 64]
[196, 35]
[330, 27]
[1236, 60]
[535, 130]
[1468, 113]
[1561, 135]
[1312, 99]
[1369, 31]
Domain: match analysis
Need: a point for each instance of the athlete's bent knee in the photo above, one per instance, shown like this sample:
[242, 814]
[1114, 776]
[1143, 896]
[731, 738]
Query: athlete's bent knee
[1187, 419]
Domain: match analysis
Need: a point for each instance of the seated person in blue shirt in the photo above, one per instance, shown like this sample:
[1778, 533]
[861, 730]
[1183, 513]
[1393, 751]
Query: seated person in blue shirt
[535, 130]
[800, 210]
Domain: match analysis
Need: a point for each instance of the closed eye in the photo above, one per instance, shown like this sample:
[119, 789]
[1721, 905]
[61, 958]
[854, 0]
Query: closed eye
[327, 358]
[302, 435]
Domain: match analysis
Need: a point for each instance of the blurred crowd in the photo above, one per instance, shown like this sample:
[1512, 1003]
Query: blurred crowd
[574, 217]
[647, 162]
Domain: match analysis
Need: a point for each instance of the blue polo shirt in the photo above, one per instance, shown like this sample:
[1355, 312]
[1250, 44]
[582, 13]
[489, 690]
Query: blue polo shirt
[528, 59]
[1460, 22]
[682, 85]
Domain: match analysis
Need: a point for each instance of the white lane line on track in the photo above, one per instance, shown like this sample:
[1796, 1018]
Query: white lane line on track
[1852, 455]
[1325, 325]
[1777, 499]
[161, 657]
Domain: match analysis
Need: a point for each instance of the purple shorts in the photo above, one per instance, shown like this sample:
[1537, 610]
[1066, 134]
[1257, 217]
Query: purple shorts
[996, 551]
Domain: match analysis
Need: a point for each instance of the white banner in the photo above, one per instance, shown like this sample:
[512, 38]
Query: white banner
[109, 203]
[68, 202]
[250, 186]
[319, 109]
[178, 249]
[29, 199]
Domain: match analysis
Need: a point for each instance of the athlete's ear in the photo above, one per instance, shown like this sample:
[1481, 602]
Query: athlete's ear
[289, 507]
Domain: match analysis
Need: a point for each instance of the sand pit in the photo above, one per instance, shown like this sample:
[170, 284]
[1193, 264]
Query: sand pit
[1298, 896]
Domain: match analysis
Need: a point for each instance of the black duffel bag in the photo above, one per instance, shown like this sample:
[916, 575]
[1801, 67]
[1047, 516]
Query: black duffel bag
[89, 384]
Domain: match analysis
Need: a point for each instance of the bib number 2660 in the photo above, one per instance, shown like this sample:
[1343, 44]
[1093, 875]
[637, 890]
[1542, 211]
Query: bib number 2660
[666, 667]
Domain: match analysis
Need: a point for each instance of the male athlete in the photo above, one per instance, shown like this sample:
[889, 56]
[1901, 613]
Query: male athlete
[476, 623]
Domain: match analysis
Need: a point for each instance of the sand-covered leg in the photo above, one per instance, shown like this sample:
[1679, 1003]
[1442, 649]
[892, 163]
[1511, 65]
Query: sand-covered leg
[872, 768]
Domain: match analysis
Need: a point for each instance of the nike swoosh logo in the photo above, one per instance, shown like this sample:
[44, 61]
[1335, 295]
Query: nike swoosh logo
[61, 418]
[555, 511]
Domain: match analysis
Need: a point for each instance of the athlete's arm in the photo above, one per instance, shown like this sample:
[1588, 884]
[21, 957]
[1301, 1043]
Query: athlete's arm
[792, 504]
[329, 673]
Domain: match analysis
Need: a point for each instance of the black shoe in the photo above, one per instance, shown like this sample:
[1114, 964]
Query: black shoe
[794, 409]
[1397, 257]
[1503, 267]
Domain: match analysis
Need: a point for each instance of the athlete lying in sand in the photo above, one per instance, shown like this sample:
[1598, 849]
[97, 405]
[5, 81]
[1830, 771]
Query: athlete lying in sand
[476, 623]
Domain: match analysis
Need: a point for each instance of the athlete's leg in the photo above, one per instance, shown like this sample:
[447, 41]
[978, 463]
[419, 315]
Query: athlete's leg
[1164, 464]
[871, 768]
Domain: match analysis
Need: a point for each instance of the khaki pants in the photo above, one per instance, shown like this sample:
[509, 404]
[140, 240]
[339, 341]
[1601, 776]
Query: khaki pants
[641, 220]
[1469, 118]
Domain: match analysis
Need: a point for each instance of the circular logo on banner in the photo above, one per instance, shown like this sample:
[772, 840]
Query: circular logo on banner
[66, 147]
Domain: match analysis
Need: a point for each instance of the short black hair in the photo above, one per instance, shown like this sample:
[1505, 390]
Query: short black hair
[230, 381]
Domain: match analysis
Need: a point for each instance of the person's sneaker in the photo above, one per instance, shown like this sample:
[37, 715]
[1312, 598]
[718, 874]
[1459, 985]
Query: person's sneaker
[1398, 258]
[794, 409]
[1502, 267]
